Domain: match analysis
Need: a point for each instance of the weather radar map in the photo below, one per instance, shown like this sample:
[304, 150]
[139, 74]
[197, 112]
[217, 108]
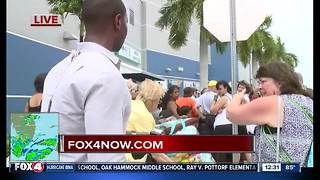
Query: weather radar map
[34, 137]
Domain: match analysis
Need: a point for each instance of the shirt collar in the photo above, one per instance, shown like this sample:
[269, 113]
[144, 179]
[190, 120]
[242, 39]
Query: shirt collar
[91, 46]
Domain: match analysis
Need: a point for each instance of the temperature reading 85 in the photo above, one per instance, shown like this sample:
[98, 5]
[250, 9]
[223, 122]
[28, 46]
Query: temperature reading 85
[290, 167]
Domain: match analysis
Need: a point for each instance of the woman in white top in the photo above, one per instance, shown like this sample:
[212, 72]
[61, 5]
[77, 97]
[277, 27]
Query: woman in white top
[222, 126]
[245, 129]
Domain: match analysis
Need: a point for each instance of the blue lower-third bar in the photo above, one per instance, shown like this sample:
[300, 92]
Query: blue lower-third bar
[295, 168]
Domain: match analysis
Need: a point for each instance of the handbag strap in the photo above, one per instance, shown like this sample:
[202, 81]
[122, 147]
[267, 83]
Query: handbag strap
[278, 129]
[260, 141]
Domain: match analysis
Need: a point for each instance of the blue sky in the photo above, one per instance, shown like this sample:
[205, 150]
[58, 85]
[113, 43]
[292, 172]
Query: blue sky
[293, 23]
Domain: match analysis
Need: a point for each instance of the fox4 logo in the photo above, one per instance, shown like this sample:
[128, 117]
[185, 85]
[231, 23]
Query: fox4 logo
[35, 166]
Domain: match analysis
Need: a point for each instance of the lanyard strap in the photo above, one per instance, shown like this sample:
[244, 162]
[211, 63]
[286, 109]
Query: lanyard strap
[278, 128]
[260, 141]
[305, 111]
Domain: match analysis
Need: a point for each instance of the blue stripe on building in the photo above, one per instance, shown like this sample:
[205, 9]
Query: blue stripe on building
[25, 60]
[219, 69]
[158, 62]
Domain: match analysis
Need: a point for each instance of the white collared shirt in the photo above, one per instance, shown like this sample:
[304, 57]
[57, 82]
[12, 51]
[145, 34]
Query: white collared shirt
[205, 100]
[91, 96]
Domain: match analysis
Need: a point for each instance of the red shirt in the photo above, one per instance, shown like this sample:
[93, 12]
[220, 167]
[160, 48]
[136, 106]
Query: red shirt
[188, 101]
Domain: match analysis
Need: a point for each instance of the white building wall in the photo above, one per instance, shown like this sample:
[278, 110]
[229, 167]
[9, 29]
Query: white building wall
[19, 19]
[157, 40]
[134, 38]
[143, 35]
[244, 72]
[20, 16]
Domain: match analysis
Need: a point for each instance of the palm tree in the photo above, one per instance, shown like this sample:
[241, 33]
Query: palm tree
[260, 43]
[264, 47]
[282, 55]
[177, 15]
[65, 7]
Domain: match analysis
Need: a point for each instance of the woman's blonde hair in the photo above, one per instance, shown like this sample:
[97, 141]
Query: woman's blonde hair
[149, 90]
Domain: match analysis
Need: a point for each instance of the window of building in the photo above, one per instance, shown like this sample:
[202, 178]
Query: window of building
[131, 17]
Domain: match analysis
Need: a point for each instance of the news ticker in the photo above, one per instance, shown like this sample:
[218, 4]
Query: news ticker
[39, 167]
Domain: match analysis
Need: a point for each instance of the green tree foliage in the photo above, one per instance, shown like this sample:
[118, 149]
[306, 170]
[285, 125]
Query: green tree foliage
[265, 48]
[66, 7]
[177, 16]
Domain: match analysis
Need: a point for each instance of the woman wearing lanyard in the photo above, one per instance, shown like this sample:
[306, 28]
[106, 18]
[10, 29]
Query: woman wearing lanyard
[284, 115]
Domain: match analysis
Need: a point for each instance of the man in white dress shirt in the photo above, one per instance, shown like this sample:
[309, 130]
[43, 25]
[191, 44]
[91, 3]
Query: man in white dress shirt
[87, 88]
[204, 103]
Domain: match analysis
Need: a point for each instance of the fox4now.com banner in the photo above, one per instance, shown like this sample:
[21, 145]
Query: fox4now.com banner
[39, 167]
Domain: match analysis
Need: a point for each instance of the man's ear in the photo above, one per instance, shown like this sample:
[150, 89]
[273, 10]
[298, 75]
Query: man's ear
[117, 22]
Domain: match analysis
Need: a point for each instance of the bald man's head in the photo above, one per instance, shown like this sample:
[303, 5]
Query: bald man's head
[100, 16]
[98, 13]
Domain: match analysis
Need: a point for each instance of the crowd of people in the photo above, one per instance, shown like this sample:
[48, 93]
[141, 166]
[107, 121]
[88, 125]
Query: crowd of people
[92, 97]
[279, 113]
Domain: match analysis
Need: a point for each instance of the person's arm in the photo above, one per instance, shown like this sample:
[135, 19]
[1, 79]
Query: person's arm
[172, 106]
[194, 109]
[259, 111]
[245, 99]
[198, 102]
[106, 110]
[199, 108]
[26, 109]
[220, 104]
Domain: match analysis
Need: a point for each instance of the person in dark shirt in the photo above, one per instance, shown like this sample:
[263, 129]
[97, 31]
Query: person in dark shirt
[34, 102]
[168, 104]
